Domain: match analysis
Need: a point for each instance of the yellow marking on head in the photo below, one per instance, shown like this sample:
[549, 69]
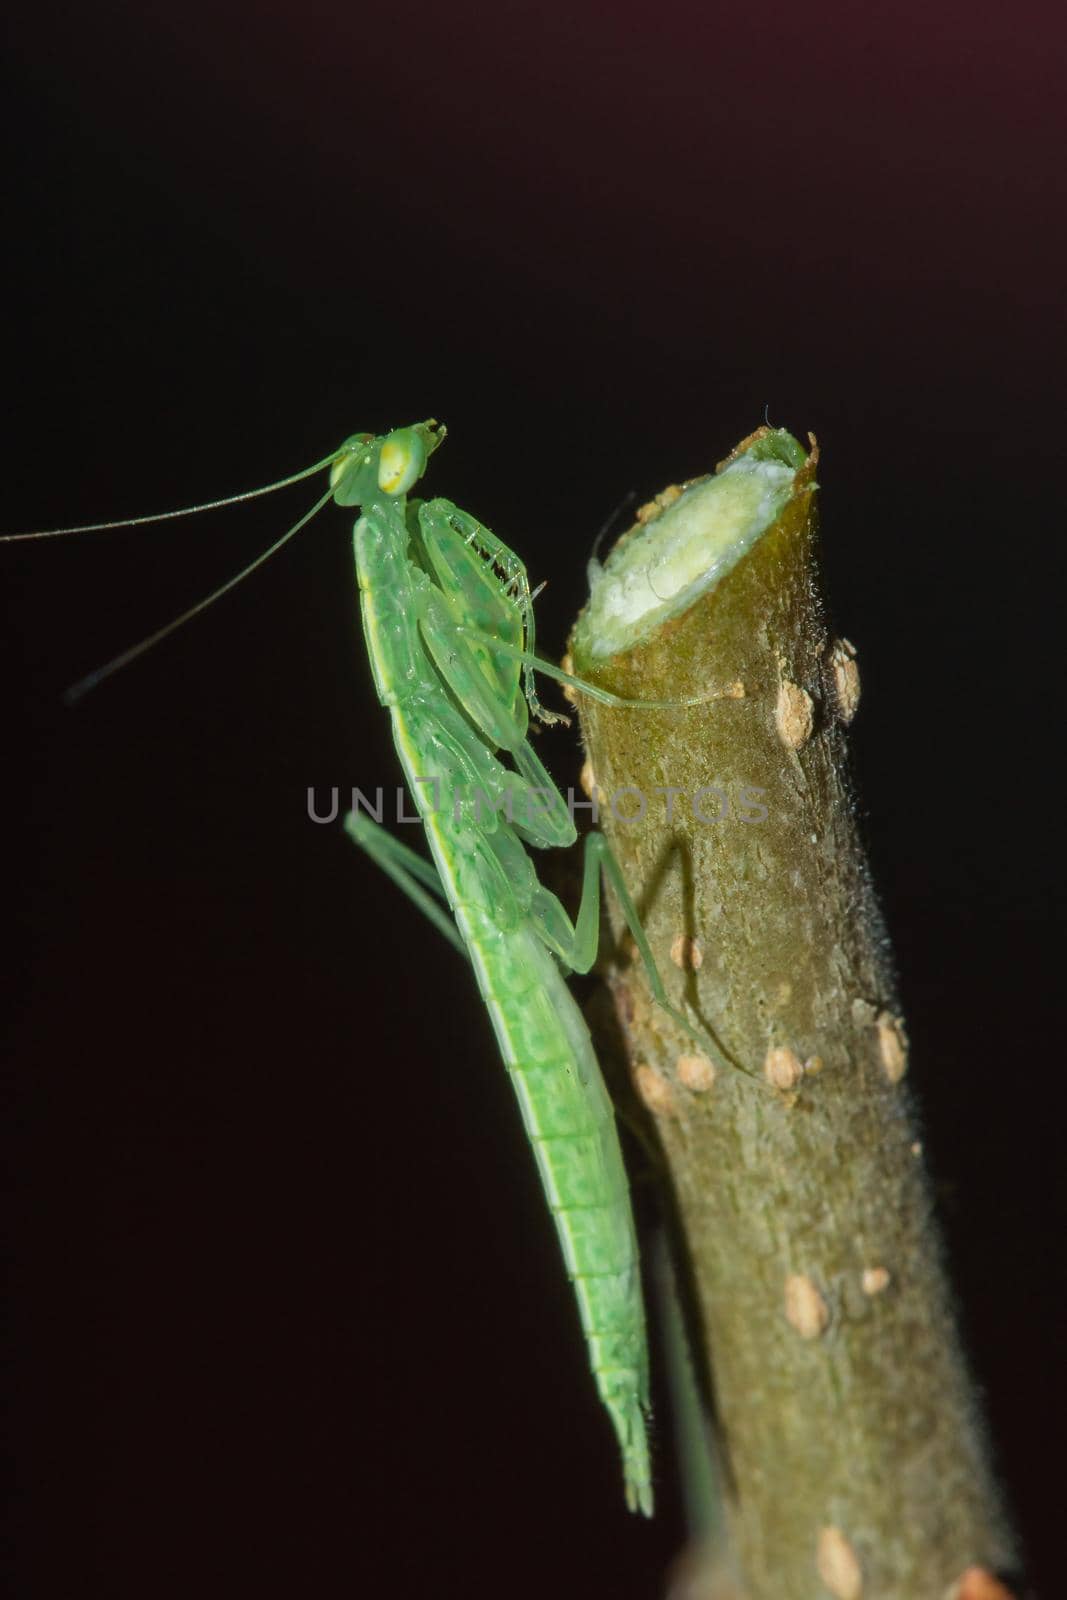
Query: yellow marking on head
[401, 461]
[350, 450]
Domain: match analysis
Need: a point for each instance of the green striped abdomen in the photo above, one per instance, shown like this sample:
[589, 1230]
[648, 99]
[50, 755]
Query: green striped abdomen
[570, 1122]
[565, 1106]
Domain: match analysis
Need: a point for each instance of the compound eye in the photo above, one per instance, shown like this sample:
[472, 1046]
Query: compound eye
[340, 468]
[402, 460]
[352, 454]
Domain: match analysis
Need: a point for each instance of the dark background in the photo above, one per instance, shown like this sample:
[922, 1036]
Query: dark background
[287, 1303]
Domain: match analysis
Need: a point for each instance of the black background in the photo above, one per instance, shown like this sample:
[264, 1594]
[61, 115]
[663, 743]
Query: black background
[287, 1304]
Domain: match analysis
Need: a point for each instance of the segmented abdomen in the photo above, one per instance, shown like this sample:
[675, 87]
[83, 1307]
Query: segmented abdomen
[570, 1122]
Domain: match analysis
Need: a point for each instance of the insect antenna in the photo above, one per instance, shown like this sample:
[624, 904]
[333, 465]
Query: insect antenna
[77, 690]
[168, 516]
[624, 504]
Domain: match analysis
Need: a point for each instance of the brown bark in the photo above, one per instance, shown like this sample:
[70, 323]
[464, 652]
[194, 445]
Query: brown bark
[848, 1421]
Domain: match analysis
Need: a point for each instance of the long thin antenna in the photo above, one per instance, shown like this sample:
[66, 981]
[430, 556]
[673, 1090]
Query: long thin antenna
[168, 516]
[627, 500]
[82, 687]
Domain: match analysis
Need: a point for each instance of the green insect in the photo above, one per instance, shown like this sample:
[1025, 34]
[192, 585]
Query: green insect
[448, 621]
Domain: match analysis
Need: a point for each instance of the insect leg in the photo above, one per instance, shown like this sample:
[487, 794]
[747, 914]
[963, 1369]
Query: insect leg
[586, 935]
[501, 719]
[513, 587]
[410, 872]
[729, 691]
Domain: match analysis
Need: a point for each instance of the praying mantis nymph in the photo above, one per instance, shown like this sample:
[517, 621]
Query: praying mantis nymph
[448, 623]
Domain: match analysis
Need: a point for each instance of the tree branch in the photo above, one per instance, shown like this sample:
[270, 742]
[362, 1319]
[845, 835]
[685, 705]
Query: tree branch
[850, 1428]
